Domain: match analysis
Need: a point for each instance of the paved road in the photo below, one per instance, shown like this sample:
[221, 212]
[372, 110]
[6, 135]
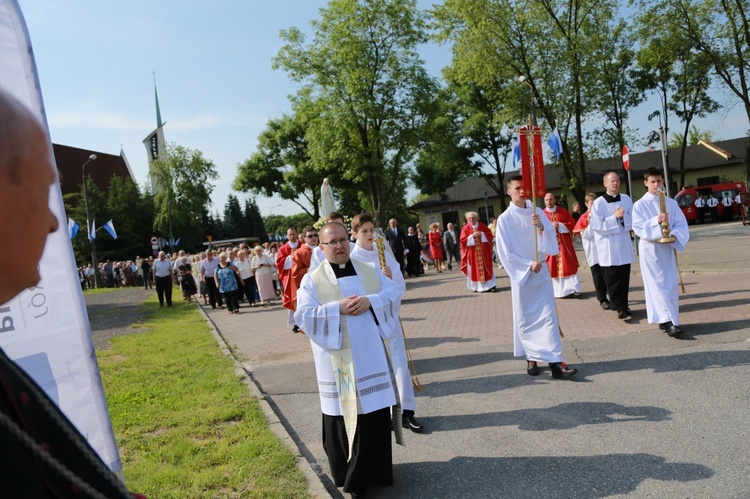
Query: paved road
[648, 416]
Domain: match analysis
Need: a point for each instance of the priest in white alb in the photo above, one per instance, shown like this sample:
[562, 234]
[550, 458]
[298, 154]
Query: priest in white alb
[659, 260]
[345, 308]
[536, 333]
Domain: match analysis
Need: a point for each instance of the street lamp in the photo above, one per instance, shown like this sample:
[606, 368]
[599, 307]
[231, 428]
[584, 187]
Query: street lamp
[92, 244]
[272, 207]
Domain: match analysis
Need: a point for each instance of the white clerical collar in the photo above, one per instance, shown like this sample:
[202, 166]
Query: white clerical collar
[552, 210]
[475, 226]
[293, 245]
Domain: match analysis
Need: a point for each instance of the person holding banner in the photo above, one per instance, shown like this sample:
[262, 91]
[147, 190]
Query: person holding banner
[44, 455]
[524, 235]
[476, 255]
[612, 220]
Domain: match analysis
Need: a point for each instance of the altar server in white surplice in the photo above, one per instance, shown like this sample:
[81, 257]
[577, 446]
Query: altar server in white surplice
[659, 260]
[345, 308]
[536, 334]
[367, 251]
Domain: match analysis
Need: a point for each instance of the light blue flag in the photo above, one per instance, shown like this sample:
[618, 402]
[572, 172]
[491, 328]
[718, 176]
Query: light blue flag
[109, 227]
[516, 151]
[92, 230]
[72, 228]
[555, 143]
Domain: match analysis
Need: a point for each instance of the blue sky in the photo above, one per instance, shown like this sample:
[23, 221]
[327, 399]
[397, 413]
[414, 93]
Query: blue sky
[213, 69]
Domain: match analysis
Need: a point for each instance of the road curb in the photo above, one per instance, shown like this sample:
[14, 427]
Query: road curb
[316, 487]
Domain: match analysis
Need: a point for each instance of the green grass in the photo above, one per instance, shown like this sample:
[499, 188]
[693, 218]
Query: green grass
[98, 291]
[185, 424]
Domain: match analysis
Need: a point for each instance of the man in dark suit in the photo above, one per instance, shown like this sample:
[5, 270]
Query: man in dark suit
[397, 239]
[452, 244]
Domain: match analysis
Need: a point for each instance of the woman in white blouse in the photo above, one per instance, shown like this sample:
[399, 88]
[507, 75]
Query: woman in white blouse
[246, 274]
[262, 266]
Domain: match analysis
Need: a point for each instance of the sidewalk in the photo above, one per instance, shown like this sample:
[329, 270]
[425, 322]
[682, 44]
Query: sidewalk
[648, 415]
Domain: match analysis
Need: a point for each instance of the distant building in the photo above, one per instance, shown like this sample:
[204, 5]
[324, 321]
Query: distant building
[705, 163]
[70, 160]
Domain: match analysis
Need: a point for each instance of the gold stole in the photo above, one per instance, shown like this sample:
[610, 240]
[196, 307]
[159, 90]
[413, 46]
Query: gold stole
[553, 219]
[341, 361]
[480, 256]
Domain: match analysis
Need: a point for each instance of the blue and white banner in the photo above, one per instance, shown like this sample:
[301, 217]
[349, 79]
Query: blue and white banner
[555, 143]
[72, 228]
[109, 227]
[45, 328]
[92, 230]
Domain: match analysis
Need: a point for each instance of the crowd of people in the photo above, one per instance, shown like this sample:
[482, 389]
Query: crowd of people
[341, 279]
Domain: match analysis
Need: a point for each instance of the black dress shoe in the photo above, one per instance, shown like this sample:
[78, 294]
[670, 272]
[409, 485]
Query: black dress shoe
[664, 326]
[624, 314]
[604, 305]
[674, 331]
[295, 329]
[561, 370]
[532, 368]
[576, 294]
[411, 423]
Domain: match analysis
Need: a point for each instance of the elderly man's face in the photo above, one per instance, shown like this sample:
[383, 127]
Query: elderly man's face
[392, 222]
[27, 218]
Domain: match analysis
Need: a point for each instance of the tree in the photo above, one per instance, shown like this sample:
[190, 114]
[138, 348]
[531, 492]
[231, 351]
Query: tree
[548, 42]
[366, 93]
[132, 215]
[253, 221]
[282, 165]
[182, 191]
[234, 221]
[719, 29]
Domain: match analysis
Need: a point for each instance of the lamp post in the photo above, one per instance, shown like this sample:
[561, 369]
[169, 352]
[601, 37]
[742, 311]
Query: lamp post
[92, 244]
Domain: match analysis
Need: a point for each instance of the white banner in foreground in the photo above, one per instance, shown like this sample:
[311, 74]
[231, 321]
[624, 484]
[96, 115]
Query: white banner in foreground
[45, 329]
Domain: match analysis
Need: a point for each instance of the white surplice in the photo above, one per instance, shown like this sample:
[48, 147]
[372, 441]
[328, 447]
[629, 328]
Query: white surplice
[536, 333]
[612, 235]
[322, 324]
[396, 342]
[658, 261]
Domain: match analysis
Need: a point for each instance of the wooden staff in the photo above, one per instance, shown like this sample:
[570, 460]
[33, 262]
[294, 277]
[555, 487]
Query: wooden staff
[412, 371]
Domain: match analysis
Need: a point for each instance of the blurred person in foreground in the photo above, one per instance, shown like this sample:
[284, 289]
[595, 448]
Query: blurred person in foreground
[43, 454]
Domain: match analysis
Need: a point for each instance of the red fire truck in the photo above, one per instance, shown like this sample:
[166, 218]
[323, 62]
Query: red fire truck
[686, 199]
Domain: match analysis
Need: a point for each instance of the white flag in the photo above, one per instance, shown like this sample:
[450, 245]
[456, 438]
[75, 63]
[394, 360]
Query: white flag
[47, 331]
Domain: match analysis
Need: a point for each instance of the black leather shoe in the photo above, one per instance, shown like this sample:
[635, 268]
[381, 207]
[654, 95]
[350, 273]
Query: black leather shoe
[664, 326]
[411, 423]
[295, 329]
[604, 305]
[561, 370]
[576, 294]
[624, 314]
[532, 368]
[674, 331]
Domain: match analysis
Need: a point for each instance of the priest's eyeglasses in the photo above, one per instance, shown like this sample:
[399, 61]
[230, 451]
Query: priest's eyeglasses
[337, 242]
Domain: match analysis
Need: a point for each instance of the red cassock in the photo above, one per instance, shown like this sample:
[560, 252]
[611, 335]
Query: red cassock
[284, 275]
[300, 264]
[566, 263]
[481, 265]
[436, 248]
